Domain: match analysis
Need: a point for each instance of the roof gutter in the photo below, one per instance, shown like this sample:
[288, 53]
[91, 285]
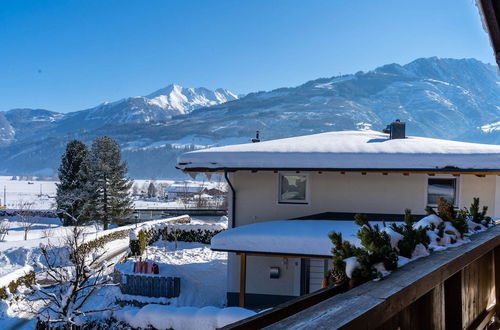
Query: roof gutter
[233, 200]
[445, 170]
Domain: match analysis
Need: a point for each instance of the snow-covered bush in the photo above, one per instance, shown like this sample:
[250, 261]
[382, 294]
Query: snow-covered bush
[4, 228]
[27, 280]
[103, 240]
[410, 237]
[383, 250]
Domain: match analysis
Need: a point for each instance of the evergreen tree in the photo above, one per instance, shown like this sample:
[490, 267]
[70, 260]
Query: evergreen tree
[108, 187]
[152, 190]
[72, 181]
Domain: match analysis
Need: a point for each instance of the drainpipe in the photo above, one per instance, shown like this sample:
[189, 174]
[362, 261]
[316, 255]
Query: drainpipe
[233, 200]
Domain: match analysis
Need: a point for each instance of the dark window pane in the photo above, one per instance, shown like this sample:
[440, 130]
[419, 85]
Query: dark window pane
[445, 188]
[293, 188]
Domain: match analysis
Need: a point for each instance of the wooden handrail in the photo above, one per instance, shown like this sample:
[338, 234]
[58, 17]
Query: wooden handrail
[286, 309]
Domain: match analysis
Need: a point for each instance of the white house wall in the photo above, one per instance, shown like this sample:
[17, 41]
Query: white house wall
[485, 188]
[258, 279]
[351, 192]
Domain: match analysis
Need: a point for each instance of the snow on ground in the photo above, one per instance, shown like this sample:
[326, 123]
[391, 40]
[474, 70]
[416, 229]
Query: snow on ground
[27, 191]
[18, 255]
[203, 272]
[180, 318]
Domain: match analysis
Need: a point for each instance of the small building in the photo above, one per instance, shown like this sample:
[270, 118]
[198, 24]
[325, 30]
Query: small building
[286, 195]
[186, 190]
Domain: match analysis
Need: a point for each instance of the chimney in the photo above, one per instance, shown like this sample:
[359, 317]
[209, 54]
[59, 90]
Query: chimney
[396, 130]
[257, 137]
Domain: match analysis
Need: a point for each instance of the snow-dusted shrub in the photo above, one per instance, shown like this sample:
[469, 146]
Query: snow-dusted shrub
[103, 240]
[446, 212]
[372, 260]
[27, 280]
[476, 218]
[383, 250]
[410, 237]
[4, 228]
[345, 257]
[191, 233]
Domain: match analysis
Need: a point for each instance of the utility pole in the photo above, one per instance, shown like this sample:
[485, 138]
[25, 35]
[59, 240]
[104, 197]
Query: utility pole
[5, 196]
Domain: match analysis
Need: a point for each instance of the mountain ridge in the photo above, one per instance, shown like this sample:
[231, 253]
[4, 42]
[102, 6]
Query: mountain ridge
[442, 98]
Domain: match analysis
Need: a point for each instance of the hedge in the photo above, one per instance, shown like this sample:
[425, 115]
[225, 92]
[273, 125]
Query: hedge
[103, 240]
[173, 232]
[28, 280]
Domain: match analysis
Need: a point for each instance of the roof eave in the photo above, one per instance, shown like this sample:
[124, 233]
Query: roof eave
[367, 170]
[490, 13]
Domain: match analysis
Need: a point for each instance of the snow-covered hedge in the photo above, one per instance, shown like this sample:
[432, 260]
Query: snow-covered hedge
[103, 240]
[174, 229]
[169, 317]
[27, 280]
[37, 213]
[381, 250]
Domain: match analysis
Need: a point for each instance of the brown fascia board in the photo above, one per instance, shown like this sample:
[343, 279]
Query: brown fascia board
[367, 170]
[490, 13]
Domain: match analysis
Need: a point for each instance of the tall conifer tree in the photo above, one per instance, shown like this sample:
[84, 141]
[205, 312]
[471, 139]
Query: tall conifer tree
[107, 187]
[72, 181]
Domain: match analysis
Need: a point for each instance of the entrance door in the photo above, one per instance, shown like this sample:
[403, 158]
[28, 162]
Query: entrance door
[312, 273]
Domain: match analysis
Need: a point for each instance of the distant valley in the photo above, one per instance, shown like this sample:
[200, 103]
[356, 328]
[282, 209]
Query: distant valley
[445, 98]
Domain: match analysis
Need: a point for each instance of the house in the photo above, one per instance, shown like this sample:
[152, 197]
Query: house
[193, 190]
[286, 195]
[184, 190]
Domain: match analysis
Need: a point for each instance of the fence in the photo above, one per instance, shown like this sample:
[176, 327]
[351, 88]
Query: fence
[452, 289]
[148, 285]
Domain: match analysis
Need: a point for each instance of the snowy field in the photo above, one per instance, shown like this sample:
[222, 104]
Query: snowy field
[42, 193]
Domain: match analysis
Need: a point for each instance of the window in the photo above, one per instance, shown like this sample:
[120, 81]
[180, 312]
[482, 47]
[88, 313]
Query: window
[446, 188]
[293, 188]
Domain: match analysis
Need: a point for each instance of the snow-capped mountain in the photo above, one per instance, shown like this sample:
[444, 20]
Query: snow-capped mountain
[160, 106]
[183, 100]
[442, 98]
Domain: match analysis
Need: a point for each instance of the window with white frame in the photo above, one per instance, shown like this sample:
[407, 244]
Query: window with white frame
[442, 187]
[293, 188]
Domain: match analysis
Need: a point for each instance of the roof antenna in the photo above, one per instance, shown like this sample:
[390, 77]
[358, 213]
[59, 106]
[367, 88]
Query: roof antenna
[257, 137]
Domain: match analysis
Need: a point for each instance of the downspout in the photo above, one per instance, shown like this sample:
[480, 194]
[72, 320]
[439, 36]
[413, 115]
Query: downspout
[233, 200]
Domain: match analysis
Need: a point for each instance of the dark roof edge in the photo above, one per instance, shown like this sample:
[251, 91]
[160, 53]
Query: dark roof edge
[450, 170]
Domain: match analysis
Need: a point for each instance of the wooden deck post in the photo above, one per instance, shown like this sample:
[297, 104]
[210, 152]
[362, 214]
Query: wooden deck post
[496, 269]
[243, 278]
[453, 301]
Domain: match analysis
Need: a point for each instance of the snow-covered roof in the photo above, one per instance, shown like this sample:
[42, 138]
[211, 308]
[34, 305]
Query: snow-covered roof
[287, 237]
[346, 150]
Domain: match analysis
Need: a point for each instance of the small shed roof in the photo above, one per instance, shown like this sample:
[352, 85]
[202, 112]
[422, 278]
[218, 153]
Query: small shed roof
[285, 237]
[347, 150]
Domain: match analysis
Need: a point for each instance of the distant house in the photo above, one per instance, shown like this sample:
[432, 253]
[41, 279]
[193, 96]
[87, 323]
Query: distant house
[286, 195]
[190, 190]
[183, 190]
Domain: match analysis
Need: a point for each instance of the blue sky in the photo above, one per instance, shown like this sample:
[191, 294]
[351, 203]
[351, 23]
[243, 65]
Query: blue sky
[71, 55]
